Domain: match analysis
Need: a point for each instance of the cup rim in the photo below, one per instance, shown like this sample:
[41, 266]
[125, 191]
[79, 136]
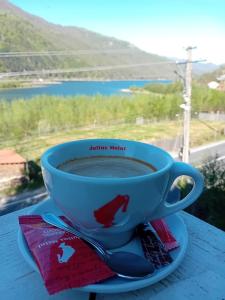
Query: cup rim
[48, 166]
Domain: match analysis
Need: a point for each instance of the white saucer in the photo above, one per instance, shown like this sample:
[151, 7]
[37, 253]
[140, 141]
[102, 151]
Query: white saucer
[118, 285]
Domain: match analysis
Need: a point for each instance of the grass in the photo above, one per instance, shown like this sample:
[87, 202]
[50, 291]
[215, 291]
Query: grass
[32, 147]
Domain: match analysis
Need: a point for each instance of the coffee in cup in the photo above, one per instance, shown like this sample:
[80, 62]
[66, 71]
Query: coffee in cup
[107, 167]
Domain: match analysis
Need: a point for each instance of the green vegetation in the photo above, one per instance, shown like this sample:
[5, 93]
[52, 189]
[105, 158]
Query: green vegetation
[31, 147]
[18, 35]
[203, 98]
[15, 30]
[164, 89]
[21, 31]
[31, 126]
[31, 180]
[210, 206]
[42, 115]
[10, 84]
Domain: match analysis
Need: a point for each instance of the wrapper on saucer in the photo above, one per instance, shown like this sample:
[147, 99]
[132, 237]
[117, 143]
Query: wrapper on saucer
[165, 234]
[64, 260]
[152, 247]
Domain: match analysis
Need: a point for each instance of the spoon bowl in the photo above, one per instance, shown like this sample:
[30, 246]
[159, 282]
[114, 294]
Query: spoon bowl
[125, 264]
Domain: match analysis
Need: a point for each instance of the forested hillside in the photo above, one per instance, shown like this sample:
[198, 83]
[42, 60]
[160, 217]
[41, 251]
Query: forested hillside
[20, 31]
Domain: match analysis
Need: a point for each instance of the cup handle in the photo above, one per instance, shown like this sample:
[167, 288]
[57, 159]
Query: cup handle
[179, 169]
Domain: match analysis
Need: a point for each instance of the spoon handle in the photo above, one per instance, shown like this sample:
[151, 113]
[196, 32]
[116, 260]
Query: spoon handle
[58, 222]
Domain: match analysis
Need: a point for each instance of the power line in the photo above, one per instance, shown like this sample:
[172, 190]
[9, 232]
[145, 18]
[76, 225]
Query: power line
[83, 69]
[65, 52]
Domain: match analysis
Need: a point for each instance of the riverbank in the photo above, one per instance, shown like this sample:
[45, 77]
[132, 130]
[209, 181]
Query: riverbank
[135, 90]
[18, 84]
[8, 85]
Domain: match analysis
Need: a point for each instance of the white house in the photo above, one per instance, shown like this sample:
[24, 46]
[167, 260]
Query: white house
[213, 85]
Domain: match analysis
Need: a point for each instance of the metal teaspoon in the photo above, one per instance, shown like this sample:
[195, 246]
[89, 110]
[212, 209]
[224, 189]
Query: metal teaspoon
[125, 264]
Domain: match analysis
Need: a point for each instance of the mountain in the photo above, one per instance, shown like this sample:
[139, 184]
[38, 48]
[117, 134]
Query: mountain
[202, 68]
[198, 69]
[21, 31]
[213, 76]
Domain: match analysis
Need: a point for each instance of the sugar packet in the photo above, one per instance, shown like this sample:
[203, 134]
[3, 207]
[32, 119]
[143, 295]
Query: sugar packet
[165, 235]
[152, 247]
[64, 260]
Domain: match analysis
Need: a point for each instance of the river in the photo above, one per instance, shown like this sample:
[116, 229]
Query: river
[71, 88]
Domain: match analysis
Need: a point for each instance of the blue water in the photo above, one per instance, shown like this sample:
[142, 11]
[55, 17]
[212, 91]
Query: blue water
[70, 88]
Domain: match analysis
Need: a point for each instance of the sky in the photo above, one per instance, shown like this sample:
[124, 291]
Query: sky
[163, 27]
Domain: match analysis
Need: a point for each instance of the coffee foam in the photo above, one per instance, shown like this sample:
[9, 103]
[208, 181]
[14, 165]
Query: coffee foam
[107, 167]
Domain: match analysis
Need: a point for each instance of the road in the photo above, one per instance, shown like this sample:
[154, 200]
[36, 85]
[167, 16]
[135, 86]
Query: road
[201, 154]
[197, 157]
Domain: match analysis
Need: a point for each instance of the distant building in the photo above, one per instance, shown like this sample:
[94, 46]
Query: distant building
[213, 85]
[221, 80]
[12, 168]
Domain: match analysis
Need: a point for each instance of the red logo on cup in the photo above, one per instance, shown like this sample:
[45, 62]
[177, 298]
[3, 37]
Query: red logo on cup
[106, 214]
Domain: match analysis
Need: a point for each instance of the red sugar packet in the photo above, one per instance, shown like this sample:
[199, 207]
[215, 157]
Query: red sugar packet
[152, 247]
[64, 260]
[165, 234]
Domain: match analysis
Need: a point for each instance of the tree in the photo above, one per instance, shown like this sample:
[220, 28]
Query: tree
[210, 206]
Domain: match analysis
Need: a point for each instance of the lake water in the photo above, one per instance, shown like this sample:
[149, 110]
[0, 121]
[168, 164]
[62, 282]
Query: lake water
[70, 88]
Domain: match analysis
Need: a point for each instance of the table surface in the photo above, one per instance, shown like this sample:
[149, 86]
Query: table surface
[201, 275]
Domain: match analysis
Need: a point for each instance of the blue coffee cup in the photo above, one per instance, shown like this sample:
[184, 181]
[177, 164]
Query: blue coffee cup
[109, 209]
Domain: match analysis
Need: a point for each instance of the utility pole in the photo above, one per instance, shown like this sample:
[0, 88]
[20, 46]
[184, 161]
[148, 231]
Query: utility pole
[187, 106]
